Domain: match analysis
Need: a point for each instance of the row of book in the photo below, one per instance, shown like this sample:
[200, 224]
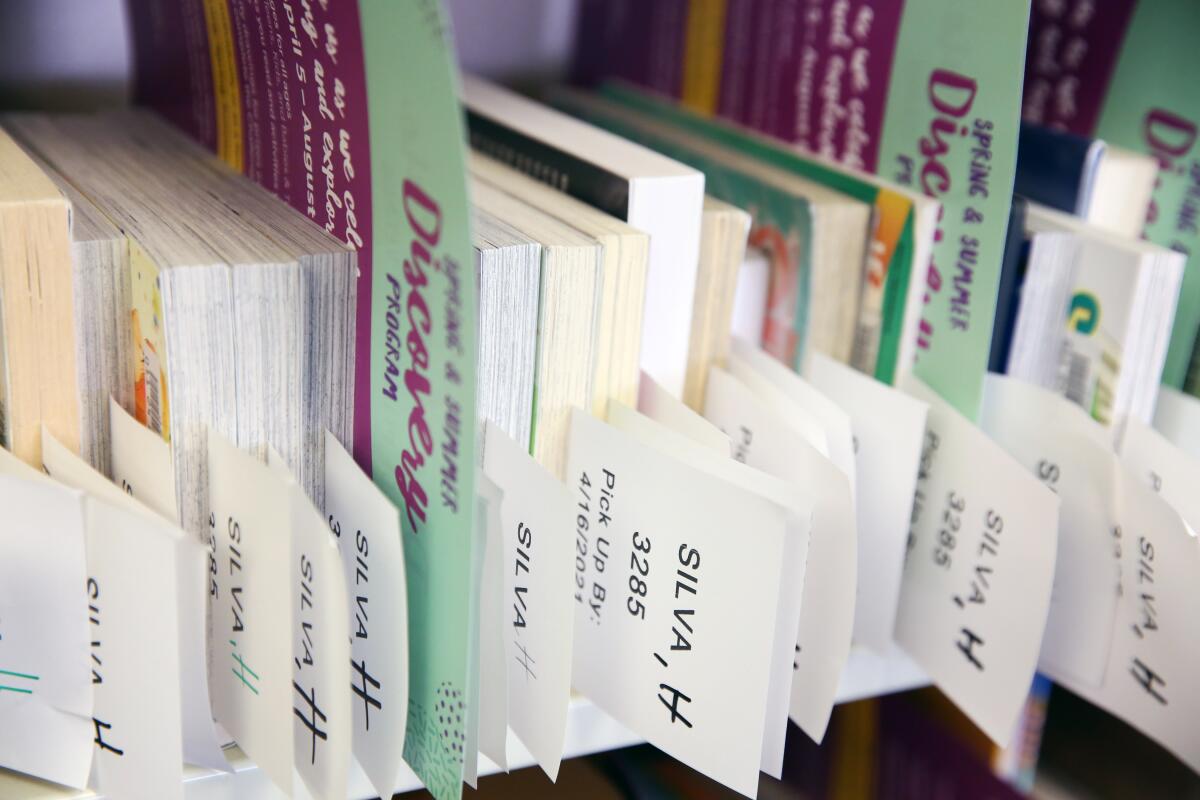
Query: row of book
[560, 288]
[618, 241]
[1106, 136]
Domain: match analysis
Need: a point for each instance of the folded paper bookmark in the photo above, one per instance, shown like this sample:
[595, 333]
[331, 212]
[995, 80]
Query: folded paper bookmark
[321, 717]
[367, 527]
[142, 468]
[761, 419]
[46, 691]
[538, 615]
[888, 428]
[976, 585]
[678, 587]
[250, 647]
[1068, 451]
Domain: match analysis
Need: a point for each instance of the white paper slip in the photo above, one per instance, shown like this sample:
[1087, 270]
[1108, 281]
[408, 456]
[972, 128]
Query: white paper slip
[977, 580]
[675, 622]
[1151, 681]
[250, 615]
[321, 724]
[46, 697]
[833, 421]
[1177, 417]
[367, 526]
[493, 664]
[769, 443]
[798, 515]
[190, 584]
[888, 427]
[1069, 453]
[538, 560]
[134, 619]
[1165, 468]
[141, 462]
[666, 409]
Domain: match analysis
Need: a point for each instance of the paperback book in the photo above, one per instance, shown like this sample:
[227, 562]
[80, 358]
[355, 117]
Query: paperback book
[293, 97]
[1111, 71]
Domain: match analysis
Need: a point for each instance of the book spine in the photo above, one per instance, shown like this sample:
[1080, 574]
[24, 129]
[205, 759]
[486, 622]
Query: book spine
[759, 76]
[581, 179]
[1073, 50]
[666, 47]
[171, 64]
[838, 80]
[703, 55]
[1052, 167]
[736, 58]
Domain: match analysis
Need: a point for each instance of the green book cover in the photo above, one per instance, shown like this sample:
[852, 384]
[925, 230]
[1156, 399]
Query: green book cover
[781, 222]
[892, 243]
[1120, 73]
[423, 316]
[949, 129]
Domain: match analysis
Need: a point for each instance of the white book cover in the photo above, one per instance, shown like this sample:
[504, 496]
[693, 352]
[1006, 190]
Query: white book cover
[653, 193]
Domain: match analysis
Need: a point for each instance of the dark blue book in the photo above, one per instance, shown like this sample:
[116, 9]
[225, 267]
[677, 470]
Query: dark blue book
[1057, 169]
[1008, 295]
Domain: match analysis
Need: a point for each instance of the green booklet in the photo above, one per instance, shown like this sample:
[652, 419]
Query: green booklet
[896, 254]
[421, 365]
[1119, 73]
[947, 125]
[349, 112]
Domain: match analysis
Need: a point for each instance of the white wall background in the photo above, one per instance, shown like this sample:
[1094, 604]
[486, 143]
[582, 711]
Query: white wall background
[63, 53]
[75, 53]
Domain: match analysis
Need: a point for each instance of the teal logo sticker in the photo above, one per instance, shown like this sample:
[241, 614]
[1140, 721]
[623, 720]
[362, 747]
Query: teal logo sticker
[1084, 314]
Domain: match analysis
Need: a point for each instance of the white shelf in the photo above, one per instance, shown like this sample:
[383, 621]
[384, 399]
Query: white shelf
[589, 730]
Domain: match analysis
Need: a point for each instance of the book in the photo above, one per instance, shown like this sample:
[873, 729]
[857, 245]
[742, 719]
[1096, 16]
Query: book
[723, 236]
[1112, 333]
[241, 310]
[901, 235]
[1107, 74]
[624, 254]
[815, 236]
[566, 321]
[924, 93]
[1108, 186]
[103, 351]
[38, 382]
[509, 268]
[651, 192]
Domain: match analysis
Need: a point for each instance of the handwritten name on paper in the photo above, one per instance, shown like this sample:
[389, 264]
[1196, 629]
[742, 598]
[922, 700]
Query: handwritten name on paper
[977, 582]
